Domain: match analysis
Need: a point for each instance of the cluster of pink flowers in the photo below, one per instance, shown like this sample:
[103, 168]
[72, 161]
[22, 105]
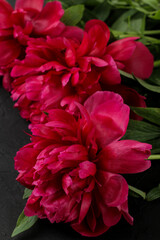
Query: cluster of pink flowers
[65, 81]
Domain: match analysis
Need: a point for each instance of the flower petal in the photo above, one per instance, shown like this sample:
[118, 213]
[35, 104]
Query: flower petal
[29, 4]
[85, 205]
[141, 62]
[5, 12]
[126, 156]
[49, 17]
[109, 115]
[101, 24]
[85, 230]
[122, 49]
[110, 75]
[9, 51]
[113, 189]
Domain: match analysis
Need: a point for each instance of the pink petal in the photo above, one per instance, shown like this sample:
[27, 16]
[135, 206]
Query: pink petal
[85, 205]
[84, 46]
[74, 153]
[141, 62]
[33, 87]
[126, 156]
[113, 189]
[109, 115]
[65, 79]
[70, 57]
[110, 75]
[5, 12]
[29, 4]
[72, 32]
[66, 183]
[126, 214]
[87, 169]
[9, 51]
[101, 24]
[130, 96]
[111, 215]
[25, 158]
[85, 230]
[122, 49]
[49, 17]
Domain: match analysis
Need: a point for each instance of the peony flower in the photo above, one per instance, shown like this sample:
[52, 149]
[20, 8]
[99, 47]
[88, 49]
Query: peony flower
[28, 20]
[74, 165]
[60, 70]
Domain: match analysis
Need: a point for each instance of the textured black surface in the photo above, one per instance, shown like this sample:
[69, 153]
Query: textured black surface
[12, 137]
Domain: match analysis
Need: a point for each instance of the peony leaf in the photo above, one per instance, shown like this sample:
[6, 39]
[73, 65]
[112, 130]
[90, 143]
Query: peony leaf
[23, 224]
[102, 11]
[153, 194]
[135, 192]
[142, 131]
[151, 114]
[144, 83]
[27, 193]
[73, 15]
[156, 15]
[148, 86]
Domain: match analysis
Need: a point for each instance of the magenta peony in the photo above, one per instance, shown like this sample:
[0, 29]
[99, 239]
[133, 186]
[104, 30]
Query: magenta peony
[27, 21]
[60, 70]
[73, 165]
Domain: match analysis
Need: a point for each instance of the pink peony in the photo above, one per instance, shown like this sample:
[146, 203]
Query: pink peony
[28, 20]
[57, 71]
[73, 165]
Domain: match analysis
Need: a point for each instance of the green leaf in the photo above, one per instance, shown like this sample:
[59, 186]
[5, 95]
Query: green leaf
[73, 15]
[151, 114]
[148, 86]
[102, 11]
[141, 131]
[136, 192]
[23, 224]
[156, 15]
[153, 194]
[27, 193]
[155, 77]
[152, 3]
[121, 24]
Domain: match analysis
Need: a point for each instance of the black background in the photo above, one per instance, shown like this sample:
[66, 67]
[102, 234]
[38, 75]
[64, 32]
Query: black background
[12, 137]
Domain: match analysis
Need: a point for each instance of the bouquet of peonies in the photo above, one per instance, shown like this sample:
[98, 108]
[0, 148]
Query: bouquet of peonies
[74, 82]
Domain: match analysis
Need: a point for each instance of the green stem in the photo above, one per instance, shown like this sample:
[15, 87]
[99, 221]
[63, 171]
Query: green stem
[157, 63]
[154, 157]
[152, 32]
[137, 191]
